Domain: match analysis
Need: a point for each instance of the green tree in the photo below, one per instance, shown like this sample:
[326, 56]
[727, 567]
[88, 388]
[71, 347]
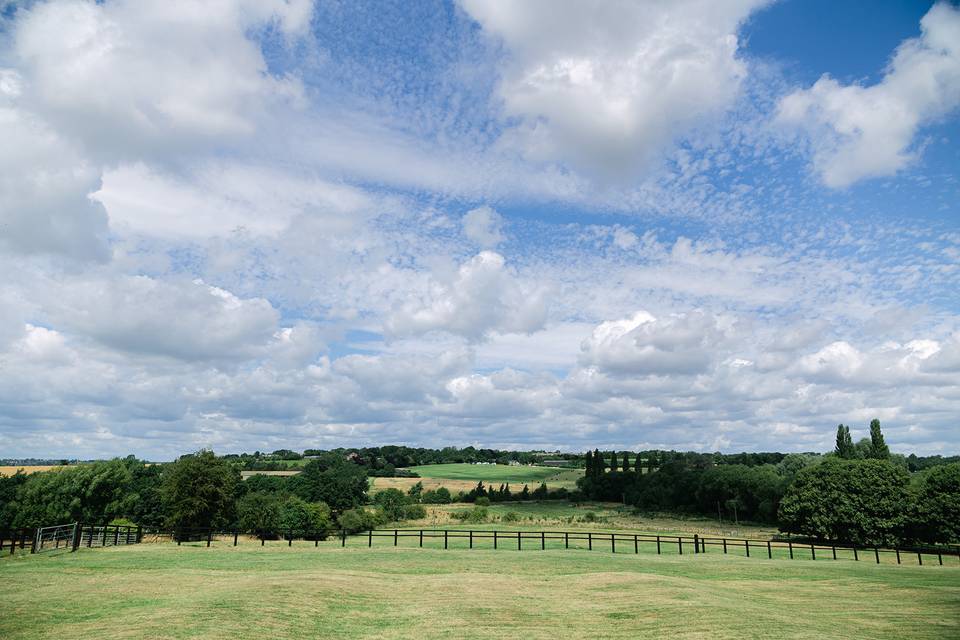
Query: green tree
[392, 502]
[844, 448]
[258, 512]
[613, 461]
[199, 490]
[859, 501]
[332, 480]
[588, 464]
[878, 448]
[938, 505]
[87, 493]
[298, 515]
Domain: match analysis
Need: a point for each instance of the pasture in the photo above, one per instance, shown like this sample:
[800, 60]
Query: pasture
[464, 477]
[165, 591]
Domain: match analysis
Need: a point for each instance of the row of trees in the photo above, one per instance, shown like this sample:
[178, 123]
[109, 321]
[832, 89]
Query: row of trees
[859, 493]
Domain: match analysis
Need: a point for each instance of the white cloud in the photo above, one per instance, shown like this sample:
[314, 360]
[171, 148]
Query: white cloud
[603, 86]
[483, 226]
[178, 318]
[861, 131]
[142, 76]
[645, 345]
[483, 296]
[218, 198]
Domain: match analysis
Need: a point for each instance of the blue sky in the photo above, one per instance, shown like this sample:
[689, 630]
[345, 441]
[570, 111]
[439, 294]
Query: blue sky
[690, 225]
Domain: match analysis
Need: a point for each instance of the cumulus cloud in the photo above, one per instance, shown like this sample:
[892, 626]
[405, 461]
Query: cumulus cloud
[645, 345]
[483, 226]
[44, 182]
[862, 132]
[603, 86]
[135, 76]
[180, 319]
[482, 297]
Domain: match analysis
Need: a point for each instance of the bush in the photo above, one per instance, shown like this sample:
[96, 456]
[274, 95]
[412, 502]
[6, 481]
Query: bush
[482, 501]
[437, 496]
[356, 520]
[589, 516]
[475, 515]
[393, 503]
[415, 512]
[298, 515]
[510, 516]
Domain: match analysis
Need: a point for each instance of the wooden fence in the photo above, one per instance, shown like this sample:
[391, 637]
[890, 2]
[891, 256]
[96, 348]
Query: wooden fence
[86, 535]
[615, 542]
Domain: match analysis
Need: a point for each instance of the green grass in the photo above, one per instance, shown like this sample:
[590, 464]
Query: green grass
[165, 591]
[517, 476]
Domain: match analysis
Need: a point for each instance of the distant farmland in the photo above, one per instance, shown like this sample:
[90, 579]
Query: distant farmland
[10, 470]
[463, 477]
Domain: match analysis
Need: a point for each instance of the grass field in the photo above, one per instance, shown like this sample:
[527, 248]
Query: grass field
[464, 477]
[165, 591]
[10, 470]
[495, 474]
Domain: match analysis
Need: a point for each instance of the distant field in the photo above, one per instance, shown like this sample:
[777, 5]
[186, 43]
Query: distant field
[165, 591]
[500, 473]
[12, 469]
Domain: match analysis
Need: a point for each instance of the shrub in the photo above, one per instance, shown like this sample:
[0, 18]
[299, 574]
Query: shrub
[393, 503]
[589, 516]
[475, 515]
[357, 520]
[415, 512]
[510, 516]
[437, 496]
[482, 501]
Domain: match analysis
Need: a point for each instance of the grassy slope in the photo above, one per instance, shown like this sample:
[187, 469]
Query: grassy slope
[515, 475]
[165, 591]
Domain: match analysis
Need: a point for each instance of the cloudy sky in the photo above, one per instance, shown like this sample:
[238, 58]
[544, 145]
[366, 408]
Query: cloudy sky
[688, 224]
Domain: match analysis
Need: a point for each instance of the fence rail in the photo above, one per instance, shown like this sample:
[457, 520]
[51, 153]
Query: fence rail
[73, 536]
[615, 542]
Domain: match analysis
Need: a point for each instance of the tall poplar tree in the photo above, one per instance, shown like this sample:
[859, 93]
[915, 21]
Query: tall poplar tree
[878, 448]
[845, 448]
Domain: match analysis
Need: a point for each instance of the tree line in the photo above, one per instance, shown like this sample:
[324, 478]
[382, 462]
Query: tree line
[859, 493]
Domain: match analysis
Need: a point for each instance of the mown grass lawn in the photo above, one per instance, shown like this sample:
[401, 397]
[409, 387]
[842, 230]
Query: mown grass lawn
[165, 591]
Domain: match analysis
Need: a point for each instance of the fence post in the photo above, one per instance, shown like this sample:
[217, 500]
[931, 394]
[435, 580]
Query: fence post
[421, 538]
[919, 559]
[90, 537]
[75, 541]
[790, 544]
[613, 543]
[494, 539]
[876, 552]
[769, 551]
[139, 533]
[747, 545]
[471, 538]
[813, 552]
[178, 531]
[116, 535]
[13, 543]
[940, 557]
[696, 544]
[680, 544]
[235, 535]
[897, 549]
[855, 556]
[589, 541]
[343, 537]
[263, 538]
[543, 541]
[394, 537]
[518, 541]
[445, 538]
[209, 536]
[636, 545]
[724, 545]
[316, 539]
[566, 540]
[658, 545]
